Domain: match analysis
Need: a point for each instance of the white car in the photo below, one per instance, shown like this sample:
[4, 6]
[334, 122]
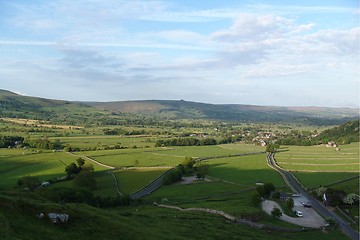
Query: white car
[298, 213]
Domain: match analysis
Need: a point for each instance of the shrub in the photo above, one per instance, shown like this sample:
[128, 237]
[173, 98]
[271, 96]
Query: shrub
[290, 203]
[85, 179]
[268, 188]
[255, 198]
[172, 176]
[29, 182]
[276, 212]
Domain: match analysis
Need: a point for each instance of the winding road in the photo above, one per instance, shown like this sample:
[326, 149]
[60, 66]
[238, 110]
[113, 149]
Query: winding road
[319, 207]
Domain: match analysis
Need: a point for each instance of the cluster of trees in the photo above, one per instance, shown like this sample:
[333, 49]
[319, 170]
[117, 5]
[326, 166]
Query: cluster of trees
[336, 197]
[261, 191]
[185, 142]
[119, 131]
[10, 141]
[230, 139]
[271, 147]
[298, 140]
[82, 173]
[172, 176]
[343, 134]
[188, 167]
[43, 143]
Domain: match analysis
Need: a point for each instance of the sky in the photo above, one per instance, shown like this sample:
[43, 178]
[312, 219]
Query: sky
[258, 52]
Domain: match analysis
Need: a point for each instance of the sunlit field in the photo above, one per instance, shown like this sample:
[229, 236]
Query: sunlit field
[320, 165]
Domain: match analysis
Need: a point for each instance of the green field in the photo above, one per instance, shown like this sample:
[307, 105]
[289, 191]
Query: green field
[98, 141]
[245, 170]
[134, 158]
[320, 165]
[133, 180]
[15, 163]
[210, 151]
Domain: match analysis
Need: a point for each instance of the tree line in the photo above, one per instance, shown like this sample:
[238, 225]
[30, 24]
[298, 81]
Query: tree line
[185, 142]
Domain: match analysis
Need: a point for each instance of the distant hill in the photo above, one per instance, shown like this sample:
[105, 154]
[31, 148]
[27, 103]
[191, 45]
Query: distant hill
[343, 134]
[231, 112]
[18, 106]
[14, 105]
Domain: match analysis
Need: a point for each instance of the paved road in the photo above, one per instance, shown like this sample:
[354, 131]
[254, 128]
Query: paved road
[150, 187]
[319, 207]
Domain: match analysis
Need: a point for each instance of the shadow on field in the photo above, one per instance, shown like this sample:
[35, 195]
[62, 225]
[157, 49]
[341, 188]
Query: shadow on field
[248, 177]
[11, 171]
[285, 149]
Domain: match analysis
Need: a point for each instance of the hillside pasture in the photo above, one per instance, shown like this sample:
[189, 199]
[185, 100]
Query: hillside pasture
[38, 123]
[124, 158]
[320, 165]
[16, 163]
[105, 184]
[132, 180]
[211, 151]
[244, 170]
[90, 142]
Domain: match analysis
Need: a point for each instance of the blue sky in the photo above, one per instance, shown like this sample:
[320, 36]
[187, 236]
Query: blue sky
[284, 53]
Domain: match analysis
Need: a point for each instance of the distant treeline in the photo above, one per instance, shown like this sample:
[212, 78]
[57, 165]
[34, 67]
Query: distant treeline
[343, 134]
[119, 131]
[190, 141]
[10, 141]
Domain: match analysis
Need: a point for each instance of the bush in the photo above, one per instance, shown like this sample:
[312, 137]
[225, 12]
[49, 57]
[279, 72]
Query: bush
[29, 182]
[276, 212]
[268, 188]
[86, 180]
[172, 176]
[255, 198]
[260, 190]
[290, 203]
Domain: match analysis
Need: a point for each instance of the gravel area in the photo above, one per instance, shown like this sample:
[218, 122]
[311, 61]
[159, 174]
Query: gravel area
[310, 217]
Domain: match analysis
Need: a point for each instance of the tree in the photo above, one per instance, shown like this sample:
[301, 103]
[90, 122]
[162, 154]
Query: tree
[320, 191]
[351, 198]
[268, 188]
[172, 176]
[201, 170]
[260, 189]
[29, 182]
[271, 147]
[255, 198]
[72, 169]
[86, 180]
[188, 162]
[290, 203]
[87, 167]
[276, 212]
[80, 162]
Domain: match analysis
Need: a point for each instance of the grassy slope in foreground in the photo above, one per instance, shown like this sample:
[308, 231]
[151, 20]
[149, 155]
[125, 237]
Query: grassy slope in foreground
[140, 222]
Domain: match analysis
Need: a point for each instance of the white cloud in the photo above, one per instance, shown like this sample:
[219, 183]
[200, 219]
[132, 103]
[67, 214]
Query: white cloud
[336, 41]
